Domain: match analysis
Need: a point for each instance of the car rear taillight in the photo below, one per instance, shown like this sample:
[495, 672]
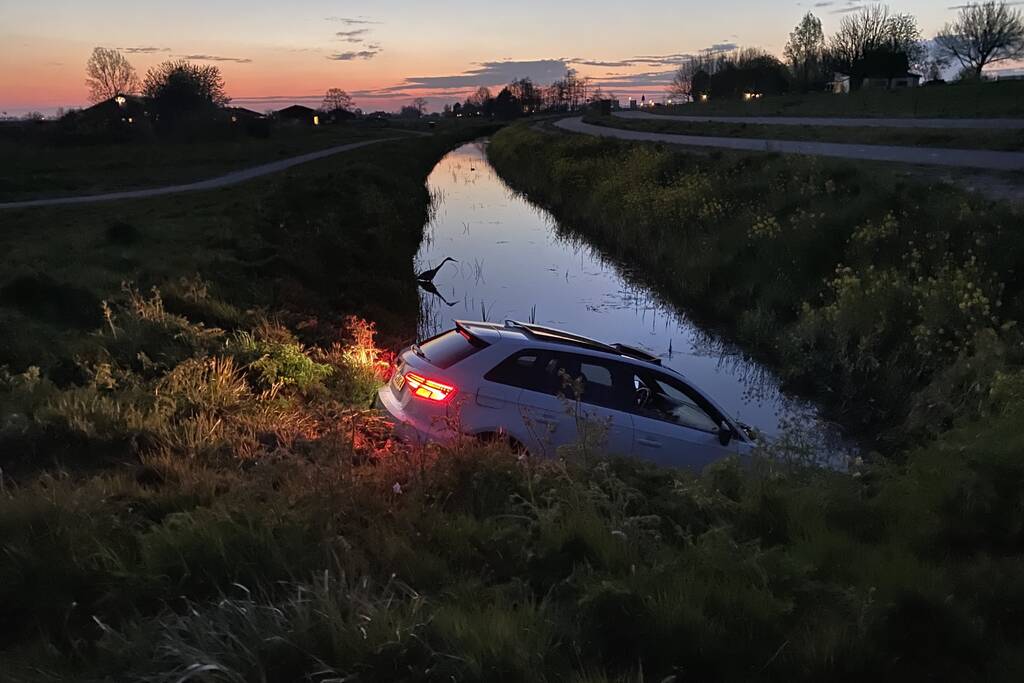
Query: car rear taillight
[424, 387]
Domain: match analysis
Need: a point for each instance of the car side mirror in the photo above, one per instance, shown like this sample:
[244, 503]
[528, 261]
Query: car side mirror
[725, 434]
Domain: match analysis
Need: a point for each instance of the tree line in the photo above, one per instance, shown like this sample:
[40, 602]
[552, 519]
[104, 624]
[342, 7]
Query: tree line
[871, 43]
[523, 97]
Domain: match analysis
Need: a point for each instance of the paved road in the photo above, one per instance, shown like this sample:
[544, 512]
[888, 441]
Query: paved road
[233, 178]
[1005, 124]
[933, 156]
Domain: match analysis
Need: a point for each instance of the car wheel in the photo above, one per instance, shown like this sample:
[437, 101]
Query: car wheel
[513, 444]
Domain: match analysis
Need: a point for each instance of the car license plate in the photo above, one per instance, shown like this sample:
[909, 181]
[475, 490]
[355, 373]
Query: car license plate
[398, 381]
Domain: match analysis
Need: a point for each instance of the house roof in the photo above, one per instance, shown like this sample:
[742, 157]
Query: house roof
[295, 110]
[242, 111]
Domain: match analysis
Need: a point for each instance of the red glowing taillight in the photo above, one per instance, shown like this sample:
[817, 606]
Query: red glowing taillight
[430, 389]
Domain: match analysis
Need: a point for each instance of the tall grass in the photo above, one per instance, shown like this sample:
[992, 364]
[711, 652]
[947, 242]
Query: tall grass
[895, 302]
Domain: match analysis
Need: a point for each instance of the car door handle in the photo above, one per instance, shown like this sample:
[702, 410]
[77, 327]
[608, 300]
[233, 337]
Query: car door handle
[488, 401]
[649, 442]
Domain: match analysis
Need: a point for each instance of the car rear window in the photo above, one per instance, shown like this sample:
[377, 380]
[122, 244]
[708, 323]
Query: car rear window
[521, 370]
[445, 350]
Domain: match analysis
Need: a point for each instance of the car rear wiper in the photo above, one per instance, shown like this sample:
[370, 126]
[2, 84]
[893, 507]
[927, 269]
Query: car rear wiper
[418, 351]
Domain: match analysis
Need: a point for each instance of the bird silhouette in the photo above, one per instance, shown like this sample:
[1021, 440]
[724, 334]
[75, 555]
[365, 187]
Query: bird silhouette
[428, 275]
[429, 287]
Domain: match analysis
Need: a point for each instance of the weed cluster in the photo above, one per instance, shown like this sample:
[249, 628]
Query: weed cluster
[891, 299]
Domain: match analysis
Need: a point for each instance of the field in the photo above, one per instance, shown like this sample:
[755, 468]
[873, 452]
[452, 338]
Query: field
[38, 164]
[192, 488]
[1008, 140]
[958, 100]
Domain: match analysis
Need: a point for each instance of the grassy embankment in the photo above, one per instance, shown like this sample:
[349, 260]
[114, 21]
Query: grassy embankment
[1006, 140]
[38, 162]
[241, 519]
[957, 100]
[895, 302]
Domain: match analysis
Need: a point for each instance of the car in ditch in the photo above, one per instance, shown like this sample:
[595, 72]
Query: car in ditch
[538, 388]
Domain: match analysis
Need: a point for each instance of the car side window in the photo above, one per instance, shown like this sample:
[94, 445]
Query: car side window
[604, 383]
[665, 398]
[523, 369]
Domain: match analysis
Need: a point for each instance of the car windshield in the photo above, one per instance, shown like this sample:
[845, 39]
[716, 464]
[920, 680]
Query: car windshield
[661, 398]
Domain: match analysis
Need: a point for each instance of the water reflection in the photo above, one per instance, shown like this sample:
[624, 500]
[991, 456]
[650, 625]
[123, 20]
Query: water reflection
[513, 262]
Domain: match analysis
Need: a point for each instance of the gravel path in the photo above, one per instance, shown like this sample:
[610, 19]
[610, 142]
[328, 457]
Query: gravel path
[233, 178]
[932, 156]
[1005, 124]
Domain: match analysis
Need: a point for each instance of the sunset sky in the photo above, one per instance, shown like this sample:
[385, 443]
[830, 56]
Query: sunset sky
[387, 52]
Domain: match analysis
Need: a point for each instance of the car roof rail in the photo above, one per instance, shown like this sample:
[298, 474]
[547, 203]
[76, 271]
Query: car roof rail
[551, 334]
[638, 354]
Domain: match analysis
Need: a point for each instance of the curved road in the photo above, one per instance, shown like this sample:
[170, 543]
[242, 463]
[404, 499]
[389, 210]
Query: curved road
[934, 156]
[232, 178]
[864, 122]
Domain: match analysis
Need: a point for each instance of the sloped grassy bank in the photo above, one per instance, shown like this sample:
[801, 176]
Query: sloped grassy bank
[893, 303]
[234, 514]
[250, 522]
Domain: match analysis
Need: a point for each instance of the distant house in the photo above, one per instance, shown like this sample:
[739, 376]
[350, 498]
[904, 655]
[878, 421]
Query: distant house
[127, 109]
[840, 84]
[903, 80]
[298, 114]
[237, 114]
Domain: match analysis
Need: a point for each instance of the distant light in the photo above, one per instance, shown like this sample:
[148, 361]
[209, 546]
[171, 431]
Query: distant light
[131, 120]
[234, 119]
[121, 100]
[316, 120]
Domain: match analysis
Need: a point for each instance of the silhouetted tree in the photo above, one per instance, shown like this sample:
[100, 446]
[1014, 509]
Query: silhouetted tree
[749, 70]
[705, 63]
[526, 94]
[421, 104]
[109, 74]
[873, 30]
[982, 35]
[480, 97]
[805, 50]
[336, 99]
[179, 87]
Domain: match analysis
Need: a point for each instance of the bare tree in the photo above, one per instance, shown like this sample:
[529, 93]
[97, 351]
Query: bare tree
[337, 99]
[480, 97]
[109, 74]
[805, 49]
[872, 29]
[421, 104]
[983, 34]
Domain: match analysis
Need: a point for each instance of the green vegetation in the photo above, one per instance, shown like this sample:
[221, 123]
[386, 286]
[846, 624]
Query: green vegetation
[240, 532]
[38, 165]
[896, 302]
[987, 138]
[957, 100]
[192, 488]
[306, 246]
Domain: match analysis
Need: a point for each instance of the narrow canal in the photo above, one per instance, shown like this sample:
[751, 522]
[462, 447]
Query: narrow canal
[512, 262]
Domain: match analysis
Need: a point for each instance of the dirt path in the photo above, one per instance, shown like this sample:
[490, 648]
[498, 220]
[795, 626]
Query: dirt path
[929, 156]
[233, 178]
[837, 122]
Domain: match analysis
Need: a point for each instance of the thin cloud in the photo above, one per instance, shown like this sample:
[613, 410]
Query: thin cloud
[673, 59]
[850, 7]
[493, 73]
[355, 54]
[354, 36]
[143, 50]
[352, 21]
[975, 4]
[216, 58]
